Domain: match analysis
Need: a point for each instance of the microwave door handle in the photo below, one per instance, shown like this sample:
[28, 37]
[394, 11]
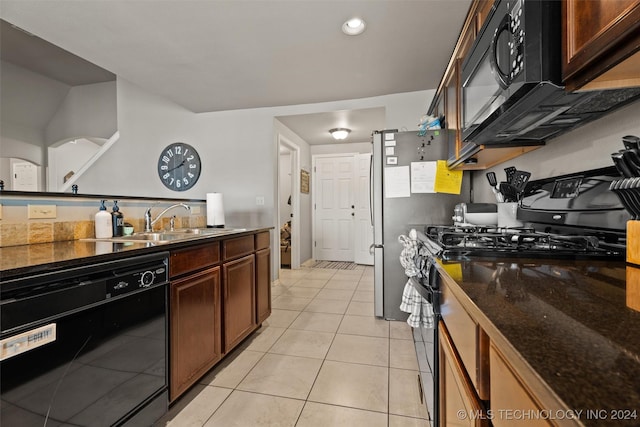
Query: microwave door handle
[503, 78]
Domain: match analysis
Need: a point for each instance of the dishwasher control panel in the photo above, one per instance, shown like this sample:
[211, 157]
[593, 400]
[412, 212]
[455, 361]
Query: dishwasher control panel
[142, 277]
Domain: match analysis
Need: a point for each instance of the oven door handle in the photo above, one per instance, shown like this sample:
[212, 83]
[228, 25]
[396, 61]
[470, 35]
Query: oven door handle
[503, 78]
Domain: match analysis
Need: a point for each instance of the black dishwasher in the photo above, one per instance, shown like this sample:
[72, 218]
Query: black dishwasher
[86, 346]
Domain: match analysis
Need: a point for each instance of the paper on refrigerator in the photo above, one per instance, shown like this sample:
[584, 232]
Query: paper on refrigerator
[396, 182]
[423, 177]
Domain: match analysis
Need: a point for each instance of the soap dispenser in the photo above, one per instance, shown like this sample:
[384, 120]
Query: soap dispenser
[117, 220]
[103, 223]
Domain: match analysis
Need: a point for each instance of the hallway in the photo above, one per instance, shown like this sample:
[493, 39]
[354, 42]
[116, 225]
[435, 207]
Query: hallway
[321, 359]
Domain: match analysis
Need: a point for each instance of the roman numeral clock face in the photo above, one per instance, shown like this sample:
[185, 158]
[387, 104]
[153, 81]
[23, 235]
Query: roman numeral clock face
[179, 166]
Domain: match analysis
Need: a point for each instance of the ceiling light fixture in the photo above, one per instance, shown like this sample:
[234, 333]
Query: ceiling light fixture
[353, 27]
[339, 133]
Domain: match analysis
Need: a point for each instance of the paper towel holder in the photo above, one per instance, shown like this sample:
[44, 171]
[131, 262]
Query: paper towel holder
[215, 211]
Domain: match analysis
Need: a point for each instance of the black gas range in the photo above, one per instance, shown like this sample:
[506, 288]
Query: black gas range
[572, 216]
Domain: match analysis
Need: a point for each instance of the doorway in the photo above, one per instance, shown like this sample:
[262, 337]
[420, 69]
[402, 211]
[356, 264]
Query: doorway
[24, 175]
[288, 203]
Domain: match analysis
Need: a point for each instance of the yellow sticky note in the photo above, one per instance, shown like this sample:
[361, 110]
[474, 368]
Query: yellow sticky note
[454, 270]
[447, 181]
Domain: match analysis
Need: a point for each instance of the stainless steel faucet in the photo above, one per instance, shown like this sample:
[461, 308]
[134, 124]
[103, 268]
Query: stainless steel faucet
[148, 222]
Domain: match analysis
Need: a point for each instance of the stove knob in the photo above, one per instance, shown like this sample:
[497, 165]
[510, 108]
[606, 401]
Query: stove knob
[146, 279]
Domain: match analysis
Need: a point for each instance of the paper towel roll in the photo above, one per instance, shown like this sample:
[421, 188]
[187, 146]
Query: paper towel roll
[215, 210]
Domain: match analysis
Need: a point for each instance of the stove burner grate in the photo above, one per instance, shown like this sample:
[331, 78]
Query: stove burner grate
[483, 241]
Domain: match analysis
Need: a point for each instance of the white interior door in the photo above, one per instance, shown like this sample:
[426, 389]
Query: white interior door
[334, 208]
[24, 177]
[363, 229]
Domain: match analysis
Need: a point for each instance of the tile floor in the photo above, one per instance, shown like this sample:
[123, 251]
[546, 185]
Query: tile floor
[321, 359]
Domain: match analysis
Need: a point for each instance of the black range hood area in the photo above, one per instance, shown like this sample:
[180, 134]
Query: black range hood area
[532, 123]
[549, 113]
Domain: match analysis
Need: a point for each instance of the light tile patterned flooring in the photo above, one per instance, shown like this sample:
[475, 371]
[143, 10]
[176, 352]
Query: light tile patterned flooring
[321, 359]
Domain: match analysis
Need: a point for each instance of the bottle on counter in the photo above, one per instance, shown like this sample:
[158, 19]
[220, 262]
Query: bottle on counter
[117, 220]
[103, 223]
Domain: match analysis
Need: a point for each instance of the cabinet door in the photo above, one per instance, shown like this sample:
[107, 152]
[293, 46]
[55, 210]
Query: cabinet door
[598, 35]
[508, 393]
[195, 330]
[453, 89]
[239, 300]
[459, 404]
[464, 332]
[263, 284]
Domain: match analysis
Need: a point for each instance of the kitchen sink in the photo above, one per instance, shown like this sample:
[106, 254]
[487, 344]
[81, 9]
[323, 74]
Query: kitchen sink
[168, 235]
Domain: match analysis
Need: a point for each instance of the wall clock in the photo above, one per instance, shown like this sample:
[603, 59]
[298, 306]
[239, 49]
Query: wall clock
[179, 166]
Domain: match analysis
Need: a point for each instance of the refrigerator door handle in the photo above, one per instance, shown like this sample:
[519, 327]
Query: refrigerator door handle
[371, 192]
[373, 247]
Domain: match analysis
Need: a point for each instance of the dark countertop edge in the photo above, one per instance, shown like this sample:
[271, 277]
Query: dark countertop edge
[536, 386]
[130, 250]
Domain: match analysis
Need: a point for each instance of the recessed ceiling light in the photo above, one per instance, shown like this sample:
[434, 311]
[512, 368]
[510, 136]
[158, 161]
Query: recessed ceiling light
[353, 27]
[339, 133]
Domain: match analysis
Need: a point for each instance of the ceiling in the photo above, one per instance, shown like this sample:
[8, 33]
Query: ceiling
[216, 55]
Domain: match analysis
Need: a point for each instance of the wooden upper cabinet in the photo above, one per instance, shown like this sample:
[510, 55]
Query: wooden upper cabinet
[482, 11]
[601, 44]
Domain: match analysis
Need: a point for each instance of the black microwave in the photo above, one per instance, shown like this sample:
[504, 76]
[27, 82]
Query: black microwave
[512, 92]
[513, 66]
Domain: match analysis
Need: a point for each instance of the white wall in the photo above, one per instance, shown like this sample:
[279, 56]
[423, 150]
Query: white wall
[587, 147]
[87, 111]
[68, 157]
[354, 147]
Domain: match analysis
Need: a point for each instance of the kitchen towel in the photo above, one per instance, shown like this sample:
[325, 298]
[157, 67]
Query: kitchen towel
[215, 210]
[420, 310]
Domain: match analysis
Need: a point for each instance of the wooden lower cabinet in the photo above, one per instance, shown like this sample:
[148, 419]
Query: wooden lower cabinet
[195, 328]
[459, 403]
[239, 296]
[263, 284]
[220, 292]
[510, 400]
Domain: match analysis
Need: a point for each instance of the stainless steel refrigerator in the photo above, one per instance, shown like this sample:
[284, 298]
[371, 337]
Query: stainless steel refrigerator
[396, 210]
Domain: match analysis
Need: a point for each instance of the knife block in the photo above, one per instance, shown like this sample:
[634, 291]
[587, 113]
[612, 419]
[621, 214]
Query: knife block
[633, 288]
[633, 242]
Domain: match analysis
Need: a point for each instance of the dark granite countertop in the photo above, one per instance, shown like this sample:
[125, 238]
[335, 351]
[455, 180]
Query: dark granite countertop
[571, 321]
[17, 261]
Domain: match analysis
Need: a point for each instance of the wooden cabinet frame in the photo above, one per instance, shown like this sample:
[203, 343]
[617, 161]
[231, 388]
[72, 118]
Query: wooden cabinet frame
[601, 44]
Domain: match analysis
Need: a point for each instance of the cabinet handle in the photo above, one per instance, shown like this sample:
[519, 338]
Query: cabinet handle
[420, 391]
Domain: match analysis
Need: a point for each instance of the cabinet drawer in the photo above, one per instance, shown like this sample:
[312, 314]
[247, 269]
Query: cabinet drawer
[464, 332]
[262, 240]
[240, 246]
[191, 259]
